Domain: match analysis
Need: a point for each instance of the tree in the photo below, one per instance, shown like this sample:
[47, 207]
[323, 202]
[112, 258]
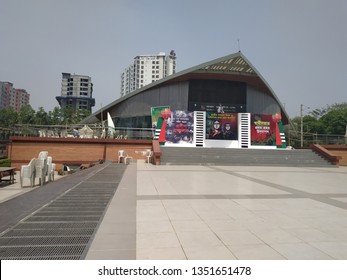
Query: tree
[82, 114]
[26, 115]
[337, 107]
[42, 118]
[55, 116]
[312, 125]
[335, 122]
[8, 118]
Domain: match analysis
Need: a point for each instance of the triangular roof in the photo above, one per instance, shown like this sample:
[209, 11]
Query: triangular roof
[234, 67]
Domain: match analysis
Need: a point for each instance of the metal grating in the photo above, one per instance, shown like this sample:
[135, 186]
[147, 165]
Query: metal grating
[67, 208]
[42, 241]
[63, 219]
[39, 251]
[62, 229]
[56, 225]
[67, 213]
[49, 232]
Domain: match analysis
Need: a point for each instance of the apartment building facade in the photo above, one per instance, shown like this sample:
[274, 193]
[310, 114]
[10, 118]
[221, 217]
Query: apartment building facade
[11, 97]
[76, 92]
[147, 69]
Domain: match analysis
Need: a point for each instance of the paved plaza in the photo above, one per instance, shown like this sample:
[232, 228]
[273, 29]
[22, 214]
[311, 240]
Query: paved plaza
[222, 212]
[228, 212]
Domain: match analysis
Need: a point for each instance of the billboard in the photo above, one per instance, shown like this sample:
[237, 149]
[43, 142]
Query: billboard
[263, 130]
[221, 126]
[180, 128]
[156, 114]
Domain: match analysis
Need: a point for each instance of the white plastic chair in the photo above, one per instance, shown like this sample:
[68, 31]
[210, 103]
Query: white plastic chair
[121, 155]
[127, 158]
[149, 155]
[41, 167]
[28, 172]
[50, 169]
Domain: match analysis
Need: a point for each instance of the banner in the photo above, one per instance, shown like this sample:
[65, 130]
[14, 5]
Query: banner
[155, 114]
[180, 127]
[110, 126]
[263, 130]
[221, 126]
[157, 119]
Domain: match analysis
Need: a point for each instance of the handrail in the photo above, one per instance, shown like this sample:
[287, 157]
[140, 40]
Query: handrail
[326, 154]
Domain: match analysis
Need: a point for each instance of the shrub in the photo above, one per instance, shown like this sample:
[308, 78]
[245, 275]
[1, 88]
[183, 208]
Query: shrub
[5, 163]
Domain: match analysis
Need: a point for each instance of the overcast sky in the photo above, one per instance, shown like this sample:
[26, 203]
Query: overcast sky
[298, 46]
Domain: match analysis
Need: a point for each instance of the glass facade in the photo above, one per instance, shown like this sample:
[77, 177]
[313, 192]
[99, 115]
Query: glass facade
[217, 96]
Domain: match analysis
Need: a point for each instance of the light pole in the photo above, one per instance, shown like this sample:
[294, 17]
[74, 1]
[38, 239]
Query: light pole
[301, 127]
[302, 124]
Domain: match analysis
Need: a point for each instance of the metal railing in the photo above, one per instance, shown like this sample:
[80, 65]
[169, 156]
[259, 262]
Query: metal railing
[293, 139]
[95, 131]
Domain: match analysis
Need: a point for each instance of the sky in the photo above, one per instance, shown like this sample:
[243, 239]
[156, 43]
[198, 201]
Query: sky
[298, 46]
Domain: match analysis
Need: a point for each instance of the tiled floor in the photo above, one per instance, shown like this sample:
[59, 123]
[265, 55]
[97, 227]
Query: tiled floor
[222, 212]
[202, 212]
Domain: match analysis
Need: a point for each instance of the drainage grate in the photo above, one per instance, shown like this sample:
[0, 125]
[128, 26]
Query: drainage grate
[67, 213]
[42, 241]
[63, 219]
[67, 208]
[49, 232]
[62, 230]
[40, 251]
[26, 225]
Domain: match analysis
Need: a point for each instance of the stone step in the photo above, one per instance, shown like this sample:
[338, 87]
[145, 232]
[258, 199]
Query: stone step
[223, 156]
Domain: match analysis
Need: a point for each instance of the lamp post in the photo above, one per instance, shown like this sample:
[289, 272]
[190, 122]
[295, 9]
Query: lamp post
[302, 124]
[301, 127]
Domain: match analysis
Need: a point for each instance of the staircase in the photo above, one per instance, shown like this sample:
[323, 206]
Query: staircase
[250, 157]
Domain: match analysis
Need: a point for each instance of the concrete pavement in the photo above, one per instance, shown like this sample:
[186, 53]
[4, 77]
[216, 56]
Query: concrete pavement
[222, 212]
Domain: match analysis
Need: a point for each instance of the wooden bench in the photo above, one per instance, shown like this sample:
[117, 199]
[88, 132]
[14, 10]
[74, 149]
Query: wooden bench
[5, 172]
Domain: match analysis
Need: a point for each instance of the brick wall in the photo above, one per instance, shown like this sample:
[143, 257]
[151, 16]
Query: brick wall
[73, 150]
[338, 150]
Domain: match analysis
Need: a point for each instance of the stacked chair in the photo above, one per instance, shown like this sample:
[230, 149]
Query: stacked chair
[28, 172]
[40, 167]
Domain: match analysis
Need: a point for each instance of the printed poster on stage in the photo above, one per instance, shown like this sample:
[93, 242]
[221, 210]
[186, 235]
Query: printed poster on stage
[221, 126]
[180, 128]
[155, 113]
[263, 130]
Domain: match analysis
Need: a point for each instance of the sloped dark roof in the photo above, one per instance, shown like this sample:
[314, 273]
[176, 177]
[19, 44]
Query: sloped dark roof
[233, 67]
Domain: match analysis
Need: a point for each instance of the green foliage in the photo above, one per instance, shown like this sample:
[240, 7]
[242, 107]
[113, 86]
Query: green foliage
[331, 120]
[42, 117]
[313, 125]
[27, 116]
[8, 118]
[335, 122]
[5, 163]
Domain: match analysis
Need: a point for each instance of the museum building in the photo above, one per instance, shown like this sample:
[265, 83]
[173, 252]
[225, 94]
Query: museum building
[221, 103]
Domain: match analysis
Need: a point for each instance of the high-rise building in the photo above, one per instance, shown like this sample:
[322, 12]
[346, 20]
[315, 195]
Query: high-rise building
[76, 92]
[147, 69]
[11, 97]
